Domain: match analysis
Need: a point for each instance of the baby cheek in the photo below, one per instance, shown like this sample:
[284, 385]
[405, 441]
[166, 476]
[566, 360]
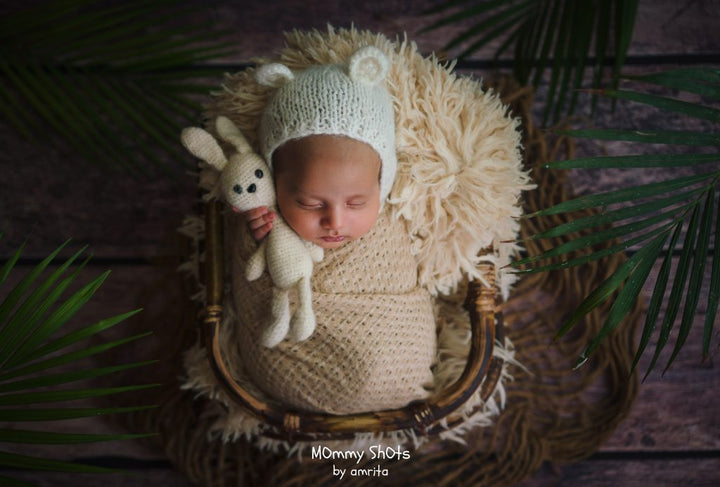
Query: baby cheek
[304, 224]
[365, 221]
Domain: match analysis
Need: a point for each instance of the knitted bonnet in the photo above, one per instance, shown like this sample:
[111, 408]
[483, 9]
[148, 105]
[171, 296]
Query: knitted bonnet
[333, 99]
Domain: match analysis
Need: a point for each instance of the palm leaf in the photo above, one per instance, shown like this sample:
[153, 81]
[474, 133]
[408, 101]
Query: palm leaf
[714, 294]
[598, 237]
[653, 310]
[624, 195]
[560, 34]
[628, 234]
[8, 482]
[623, 213]
[566, 263]
[87, 74]
[55, 361]
[700, 81]
[48, 438]
[635, 161]
[669, 104]
[648, 214]
[697, 271]
[13, 460]
[643, 263]
[37, 397]
[35, 362]
[56, 414]
[678, 288]
[601, 294]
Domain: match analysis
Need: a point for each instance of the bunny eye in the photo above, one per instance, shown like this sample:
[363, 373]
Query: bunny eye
[252, 188]
[258, 173]
[237, 188]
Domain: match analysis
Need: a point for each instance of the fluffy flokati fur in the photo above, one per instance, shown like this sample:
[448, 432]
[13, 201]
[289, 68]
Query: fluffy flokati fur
[457, 193]
[460, 172]
[247, 183]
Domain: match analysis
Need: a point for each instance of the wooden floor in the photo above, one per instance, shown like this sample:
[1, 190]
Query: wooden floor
[670, 438]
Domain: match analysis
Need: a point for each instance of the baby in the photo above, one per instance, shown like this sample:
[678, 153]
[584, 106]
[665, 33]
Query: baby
[329, 135]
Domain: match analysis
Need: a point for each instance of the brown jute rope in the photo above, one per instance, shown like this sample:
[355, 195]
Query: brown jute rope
[552, 413]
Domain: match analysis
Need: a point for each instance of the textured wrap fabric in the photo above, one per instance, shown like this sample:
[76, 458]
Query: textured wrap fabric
[375, 338]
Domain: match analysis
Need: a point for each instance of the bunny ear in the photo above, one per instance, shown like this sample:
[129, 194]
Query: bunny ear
[201, 144]
[229, 132]
[368, 65]
[273, 75]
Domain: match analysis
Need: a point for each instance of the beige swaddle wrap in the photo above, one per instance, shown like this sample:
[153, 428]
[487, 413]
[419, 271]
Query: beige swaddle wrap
[374, 343]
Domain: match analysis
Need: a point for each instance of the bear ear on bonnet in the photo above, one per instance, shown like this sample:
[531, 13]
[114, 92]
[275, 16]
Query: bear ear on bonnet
[274, 75]
[367, 65]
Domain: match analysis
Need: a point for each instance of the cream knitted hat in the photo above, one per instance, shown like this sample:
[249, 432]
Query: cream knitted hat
[332, 99]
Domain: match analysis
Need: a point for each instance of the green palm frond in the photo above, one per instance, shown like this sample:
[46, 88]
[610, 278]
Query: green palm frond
[656, 216]
[115, 82]
[559, 35]
[41, 361]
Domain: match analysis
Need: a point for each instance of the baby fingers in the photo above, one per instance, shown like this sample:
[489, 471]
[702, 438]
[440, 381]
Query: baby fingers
[259, 220]
[262, 231]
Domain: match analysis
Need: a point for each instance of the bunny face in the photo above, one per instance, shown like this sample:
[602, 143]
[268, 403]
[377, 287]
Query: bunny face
[247, 183]
[245, 180]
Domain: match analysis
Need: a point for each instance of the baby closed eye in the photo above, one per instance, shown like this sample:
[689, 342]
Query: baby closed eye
[307, 205]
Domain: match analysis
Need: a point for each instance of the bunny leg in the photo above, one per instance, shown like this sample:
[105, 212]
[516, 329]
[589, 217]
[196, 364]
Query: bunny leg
[275, 333]
[303, 321]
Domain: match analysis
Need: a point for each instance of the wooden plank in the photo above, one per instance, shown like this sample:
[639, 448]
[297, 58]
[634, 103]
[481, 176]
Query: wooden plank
[127, 288]
[631, 472]
[663, 27]
[673, 412]
[661, 472]
[648, 448]
[57, 196]
[124, 217]
[133, 477]
[49, 195]
[633, 116]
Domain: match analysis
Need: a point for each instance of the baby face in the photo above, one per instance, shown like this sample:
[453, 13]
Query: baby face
[328, 188]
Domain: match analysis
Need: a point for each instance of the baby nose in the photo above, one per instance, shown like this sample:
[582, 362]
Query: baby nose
[333, 218]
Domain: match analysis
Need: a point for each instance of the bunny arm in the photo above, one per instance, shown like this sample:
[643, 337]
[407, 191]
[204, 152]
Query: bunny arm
[316, 252]
[256, 263]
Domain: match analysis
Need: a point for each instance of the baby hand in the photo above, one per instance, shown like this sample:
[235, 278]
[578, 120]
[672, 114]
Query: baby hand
[260, 221]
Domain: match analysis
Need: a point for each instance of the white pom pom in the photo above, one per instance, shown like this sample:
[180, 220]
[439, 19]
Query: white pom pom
[368, 65]
[274, 75]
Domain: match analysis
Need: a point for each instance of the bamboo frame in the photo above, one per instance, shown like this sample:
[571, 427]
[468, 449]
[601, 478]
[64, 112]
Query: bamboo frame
[421, 416]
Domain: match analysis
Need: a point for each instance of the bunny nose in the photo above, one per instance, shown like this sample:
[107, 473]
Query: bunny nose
[251, 188]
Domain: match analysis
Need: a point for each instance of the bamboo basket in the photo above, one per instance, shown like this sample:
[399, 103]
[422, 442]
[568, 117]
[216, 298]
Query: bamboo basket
[423, 417]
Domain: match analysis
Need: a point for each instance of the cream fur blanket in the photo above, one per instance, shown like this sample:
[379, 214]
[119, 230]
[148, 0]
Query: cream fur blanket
[456, 195]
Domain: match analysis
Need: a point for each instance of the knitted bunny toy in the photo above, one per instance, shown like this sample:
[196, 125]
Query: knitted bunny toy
[246, 182]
